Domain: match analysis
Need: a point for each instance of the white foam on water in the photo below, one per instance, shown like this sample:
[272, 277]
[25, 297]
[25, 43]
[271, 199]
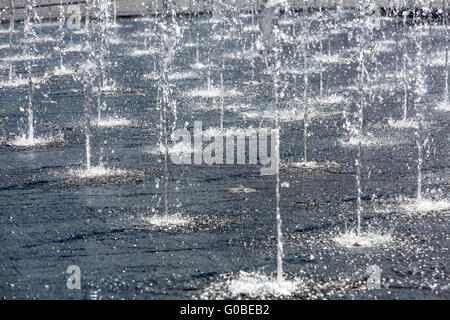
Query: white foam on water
[6, 31]
[443, 106]
[351, 239]
[80, 31]
[76, 48]
[437, 59]
[218, 37]
[179, 148]
[350, 24]
[314, 38]
[111, 122]
[97, 172]
[370, 141]
[94, 294]
[19, 81]
[287, 115]
[117, 25]
[22, 57]
[216, 106]
[142, 52]
[145, 19]
[305, 164]
[284, 116]
[242, 55]
[107, 87]
[41, 39]
[63, 71]
[403, 124]
[301, 71]
[241, 189]
[244, 15]
[329, 100]
[14, 83]
[386, 85]
[424, 205]
[286, 22]
[332, 59]
[24, 141]
[176, 149]
[116, 40]
[48, 24]
[213, 92]
[421, 31]
[168, 221]
[251, 28]
[151, 76]
[190, 44]
[183, 75]
[141, 34]
[310, 164]
[337, 31]
[351, 51]
[215, 20]
[439, 27]
[392, 77]
[237, 107]
[256, 285]
[4, 46]
[199, 66]
[226, 132]
[384, 46]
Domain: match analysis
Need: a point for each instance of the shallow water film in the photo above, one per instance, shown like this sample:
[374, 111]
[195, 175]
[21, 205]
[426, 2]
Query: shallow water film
[265, 152]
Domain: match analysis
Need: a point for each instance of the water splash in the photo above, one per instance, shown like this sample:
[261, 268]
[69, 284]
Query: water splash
[186, 75]
[443, 106]
[199, 66]
[143, 52]
[112, 122]
[252, 285]
[369, 140]
[168, 221]
[423, 205]
[331, 59]
[213, 92]
[229, 132]
[306, 164]
[354, 239]
[25, 141]
[22, 81]
[178, 148]
[23, 57]
[403, 124]
[63, 71]
[289, 115]
[76, 47]
[241, 189]
[330, 100]
[99, 171]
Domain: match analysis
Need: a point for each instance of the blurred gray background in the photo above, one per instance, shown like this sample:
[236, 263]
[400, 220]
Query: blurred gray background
[48, 9]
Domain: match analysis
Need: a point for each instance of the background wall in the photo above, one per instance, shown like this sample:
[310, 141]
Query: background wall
[49, 8]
